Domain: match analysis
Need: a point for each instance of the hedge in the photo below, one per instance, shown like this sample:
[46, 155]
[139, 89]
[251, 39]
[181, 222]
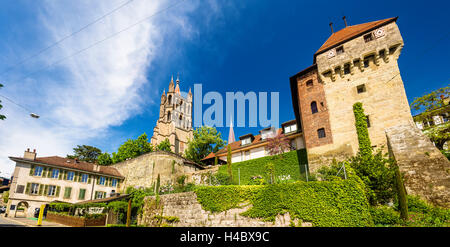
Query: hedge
[324, 203]
[290, 163]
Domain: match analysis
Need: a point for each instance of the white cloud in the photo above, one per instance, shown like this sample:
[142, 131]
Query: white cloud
[81, 97]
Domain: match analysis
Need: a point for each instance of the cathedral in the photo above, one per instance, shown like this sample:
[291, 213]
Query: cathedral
[175, 118]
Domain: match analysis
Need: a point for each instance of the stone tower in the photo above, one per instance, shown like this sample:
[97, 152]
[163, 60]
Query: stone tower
[175, 118]
[356, 64]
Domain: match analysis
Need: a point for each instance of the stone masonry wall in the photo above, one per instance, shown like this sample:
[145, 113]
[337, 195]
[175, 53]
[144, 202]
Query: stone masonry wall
[426, 170]
[190, 213]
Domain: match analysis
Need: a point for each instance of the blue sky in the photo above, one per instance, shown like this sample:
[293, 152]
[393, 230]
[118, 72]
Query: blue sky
[110, 92]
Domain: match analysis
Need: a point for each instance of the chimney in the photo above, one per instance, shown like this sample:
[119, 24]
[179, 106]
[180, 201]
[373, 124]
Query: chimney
[345, 20]
[29, 155]
[331, 25]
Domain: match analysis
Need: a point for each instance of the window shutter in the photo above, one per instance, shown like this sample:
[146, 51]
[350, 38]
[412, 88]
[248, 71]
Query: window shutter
[98, 179]
[46, 190]
[41, 189]
[27, 190]
[44, 172]
[32, 170]
[70, 192]
[65, 175]
[50, 172]
[89, 179]
[60, 174]
[58, 188]
[104, 195]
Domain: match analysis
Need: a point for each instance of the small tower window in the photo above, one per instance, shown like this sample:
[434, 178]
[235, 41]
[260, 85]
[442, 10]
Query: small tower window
[347, 68]
[368, 37]
[361, 88]
[169, 116]
[321, 133]
[340, 50]
[314, 107]
[309, 83]
[170, 99]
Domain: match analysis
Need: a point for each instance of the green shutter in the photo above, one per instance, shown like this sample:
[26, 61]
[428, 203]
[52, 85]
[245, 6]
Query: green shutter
[60, 174]
[46, 190]
[58, 188]
[41, 189]
[89, 179]
[32, 170]
[27, 190]
[104, 194]
[44, 172]
[50, 172]
[81, 195]
[98, 179]
[65, 175]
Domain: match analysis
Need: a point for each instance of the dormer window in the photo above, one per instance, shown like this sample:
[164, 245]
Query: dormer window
[268, 133]
[246, 141]
[290, 128]
[340, 50]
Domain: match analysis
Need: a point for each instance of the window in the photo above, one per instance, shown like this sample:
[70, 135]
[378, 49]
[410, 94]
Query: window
[347, 69]
[100, 194]
[314, 107]
[309, 83]
[114, 182]
[101, 181]
[247, 155]
[70, 175]
[34, 189]
[366, 63]
[361, 88]
[169, 117]
[67, 192]
[20, 189]
[55, 173]
[170, 99]
[340, 50]
[246, 141]
[81, 194]
[368, 121]
[38, 171]
[290, 128]
[51, 190]
[84, 178]
[321, 132]
[368, 37]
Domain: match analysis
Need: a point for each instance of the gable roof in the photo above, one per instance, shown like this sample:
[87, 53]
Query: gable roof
[71, 164]
[350, 32]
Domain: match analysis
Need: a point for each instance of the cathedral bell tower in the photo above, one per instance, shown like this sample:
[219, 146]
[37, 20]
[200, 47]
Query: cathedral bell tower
[175, 118]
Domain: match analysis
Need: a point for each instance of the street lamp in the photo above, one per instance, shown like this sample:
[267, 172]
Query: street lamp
[34, 115]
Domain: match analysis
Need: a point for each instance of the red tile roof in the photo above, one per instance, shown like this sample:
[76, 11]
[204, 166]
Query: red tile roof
[71, 164]
[350, 32]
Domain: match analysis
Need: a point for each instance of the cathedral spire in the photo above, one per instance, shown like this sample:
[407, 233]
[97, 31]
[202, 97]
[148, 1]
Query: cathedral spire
[171, 85]
[177, 88]
[231, 138]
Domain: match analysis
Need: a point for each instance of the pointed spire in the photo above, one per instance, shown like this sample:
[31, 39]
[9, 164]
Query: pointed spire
[171, 85]
[178, 77]
[231, 138]
[177, 88]
[164, 92]
[190, 93]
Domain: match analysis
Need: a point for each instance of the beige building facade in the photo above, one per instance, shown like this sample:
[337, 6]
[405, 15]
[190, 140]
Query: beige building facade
[41, 180]
[175, 119]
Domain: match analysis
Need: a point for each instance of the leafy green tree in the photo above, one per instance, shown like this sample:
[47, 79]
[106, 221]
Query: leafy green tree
[104, 159]
[132, 148]
[431, 104]
[164, 146]
[85, 153]
[206, 140]
[2, 117]
[439, 134]
[5, 196]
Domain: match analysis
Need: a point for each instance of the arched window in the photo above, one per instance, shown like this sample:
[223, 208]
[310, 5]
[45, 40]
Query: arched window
[309, 83]
[168, 116]
[314, 107]
[170, 99]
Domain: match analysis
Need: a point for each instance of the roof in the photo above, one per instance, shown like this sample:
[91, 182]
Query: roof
[350, 32]
[71, 164]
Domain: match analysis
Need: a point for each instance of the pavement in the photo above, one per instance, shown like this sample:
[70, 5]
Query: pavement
[25, 222]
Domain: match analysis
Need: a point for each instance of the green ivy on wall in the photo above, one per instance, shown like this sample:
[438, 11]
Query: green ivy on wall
[365, 147]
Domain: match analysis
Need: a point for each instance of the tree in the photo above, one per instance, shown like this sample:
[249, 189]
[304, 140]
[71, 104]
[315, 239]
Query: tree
[164, 146]
[104, 159]
[439, 134]
[132, 148]
[230, 171]
[431, 104]
[2, 117]
[85, 153]
[278, 144]
[206, 140]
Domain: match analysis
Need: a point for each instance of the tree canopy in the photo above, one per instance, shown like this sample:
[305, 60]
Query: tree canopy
[104, 159]
[431, 104]
[164, 146]
[132, 148]
[85, 153]
[206, 140]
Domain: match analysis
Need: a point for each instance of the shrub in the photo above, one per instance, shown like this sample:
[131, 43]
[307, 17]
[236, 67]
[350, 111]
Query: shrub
[292, 163]
[324, 203]
[384, 215]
